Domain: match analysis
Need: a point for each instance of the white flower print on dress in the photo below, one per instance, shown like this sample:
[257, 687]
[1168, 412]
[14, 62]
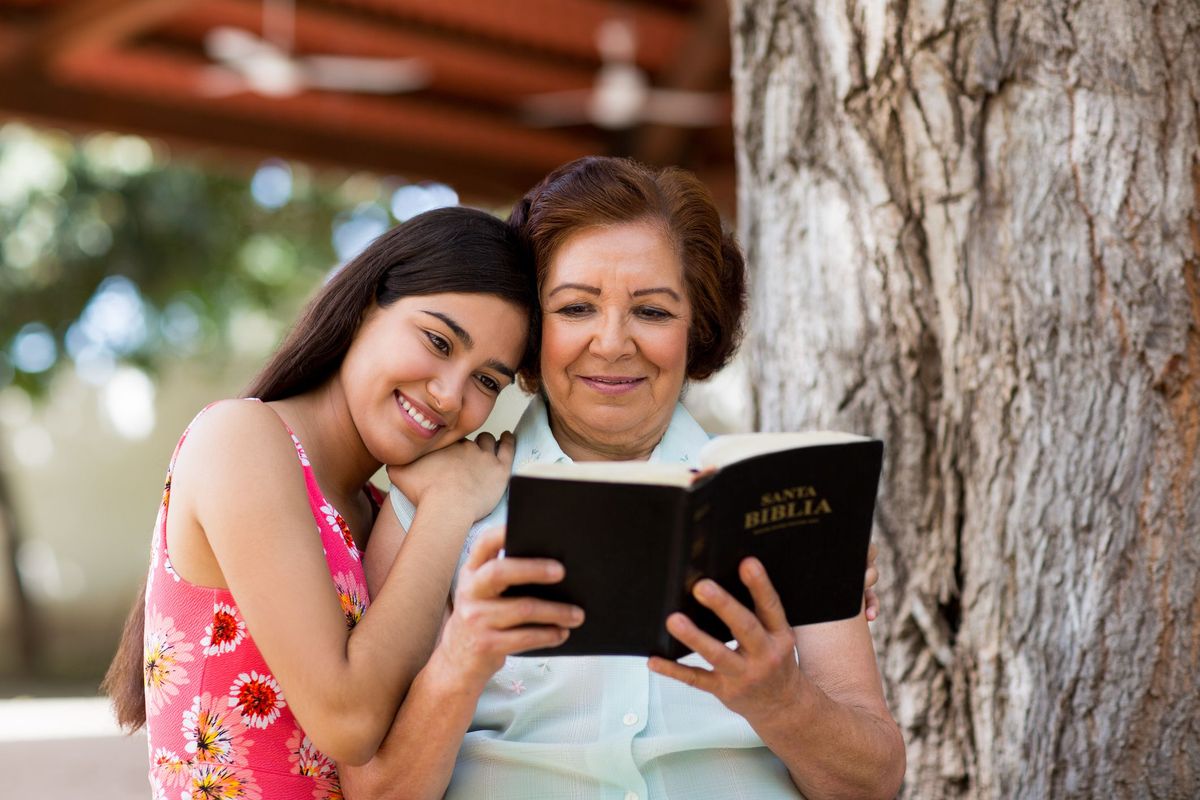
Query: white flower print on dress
[258, 697]
[225, 632]
[300, 451]
[214, 732]
[163, 657]
[352, 596]
[221, 782]
[170, 569]
[168, 769]
[338, 525]
[328, 788]
[306, 759]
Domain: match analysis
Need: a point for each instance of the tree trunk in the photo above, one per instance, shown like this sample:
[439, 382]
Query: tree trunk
[975, 234]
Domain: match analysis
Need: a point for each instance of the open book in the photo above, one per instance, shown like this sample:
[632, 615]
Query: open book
[635, 536]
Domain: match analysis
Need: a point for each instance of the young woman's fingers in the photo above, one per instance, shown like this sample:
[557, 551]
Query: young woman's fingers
[486, 442]
[506, 448]
[487, 547]
[768, 608]
[714, 652]
[871, 578]
[871, 604]
[693, 676]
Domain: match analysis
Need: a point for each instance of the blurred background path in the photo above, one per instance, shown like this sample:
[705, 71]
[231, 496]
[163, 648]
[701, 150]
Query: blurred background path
[68, 747]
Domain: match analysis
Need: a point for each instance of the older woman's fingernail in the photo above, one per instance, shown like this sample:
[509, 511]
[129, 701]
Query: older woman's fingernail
[706, 588]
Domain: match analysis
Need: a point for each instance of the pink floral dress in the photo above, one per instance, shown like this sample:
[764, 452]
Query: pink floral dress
[218, 722]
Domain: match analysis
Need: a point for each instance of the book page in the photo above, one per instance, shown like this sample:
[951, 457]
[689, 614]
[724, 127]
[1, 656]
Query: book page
[643, 472]
[725, 450]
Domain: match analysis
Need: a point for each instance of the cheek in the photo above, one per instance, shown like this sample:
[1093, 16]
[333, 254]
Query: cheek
[667, 350]
[476, 407]
[560, 346]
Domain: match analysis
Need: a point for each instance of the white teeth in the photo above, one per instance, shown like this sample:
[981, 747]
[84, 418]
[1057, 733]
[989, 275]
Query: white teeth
[417, 415]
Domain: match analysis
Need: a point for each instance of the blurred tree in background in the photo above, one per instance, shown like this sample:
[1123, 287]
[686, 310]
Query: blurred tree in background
[117, 260]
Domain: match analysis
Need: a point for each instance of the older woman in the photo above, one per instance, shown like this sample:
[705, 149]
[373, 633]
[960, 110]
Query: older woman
[640, 291]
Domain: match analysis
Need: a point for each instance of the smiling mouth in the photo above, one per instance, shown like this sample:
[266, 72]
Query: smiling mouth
[416, 416]
[612, 385]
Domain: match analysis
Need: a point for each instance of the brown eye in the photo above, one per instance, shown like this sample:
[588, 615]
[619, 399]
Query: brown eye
[574, 310]
[654, 314]
[438, 342]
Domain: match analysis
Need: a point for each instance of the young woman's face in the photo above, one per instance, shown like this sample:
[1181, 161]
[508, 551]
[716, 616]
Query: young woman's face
[425, 371]
[614, 339]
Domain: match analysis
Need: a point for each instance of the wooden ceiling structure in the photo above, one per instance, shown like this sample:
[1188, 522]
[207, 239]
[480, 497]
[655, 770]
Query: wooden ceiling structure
[137, 65]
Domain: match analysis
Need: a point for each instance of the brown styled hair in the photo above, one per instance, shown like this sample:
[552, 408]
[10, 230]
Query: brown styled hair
[447, 250]
[602, 190]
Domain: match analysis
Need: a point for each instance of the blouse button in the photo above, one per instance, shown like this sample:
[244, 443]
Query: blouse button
[630, 718]
[631, 796]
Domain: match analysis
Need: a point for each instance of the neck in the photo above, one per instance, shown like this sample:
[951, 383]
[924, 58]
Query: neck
[583, 448]
[321, 420]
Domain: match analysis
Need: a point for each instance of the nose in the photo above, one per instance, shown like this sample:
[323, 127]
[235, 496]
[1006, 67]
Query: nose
[446, 394]
[612, 339]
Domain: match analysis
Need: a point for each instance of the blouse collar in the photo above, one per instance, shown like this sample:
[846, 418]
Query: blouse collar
[536, 443]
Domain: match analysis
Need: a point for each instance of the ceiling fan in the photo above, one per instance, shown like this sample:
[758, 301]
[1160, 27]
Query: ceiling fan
[622, 96]
[266, 64]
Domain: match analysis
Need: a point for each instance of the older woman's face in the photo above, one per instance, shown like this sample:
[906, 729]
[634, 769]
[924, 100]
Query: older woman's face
[614, 340]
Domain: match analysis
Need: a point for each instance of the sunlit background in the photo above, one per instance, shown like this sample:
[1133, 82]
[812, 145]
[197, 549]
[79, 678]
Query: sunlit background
[137, 288]
[176, 178]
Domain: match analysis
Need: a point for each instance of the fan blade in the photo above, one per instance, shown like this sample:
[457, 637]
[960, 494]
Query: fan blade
[232, 45]
[571, 107]
[382, 75]
[685, 109]
[220, 82]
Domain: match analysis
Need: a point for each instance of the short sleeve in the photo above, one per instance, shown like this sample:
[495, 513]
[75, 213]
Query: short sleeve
[404, 508]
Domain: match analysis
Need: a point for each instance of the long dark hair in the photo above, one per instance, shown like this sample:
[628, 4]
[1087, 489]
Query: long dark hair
[456, 250]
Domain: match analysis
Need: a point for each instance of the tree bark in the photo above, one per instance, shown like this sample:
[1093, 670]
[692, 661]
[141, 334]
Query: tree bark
[974, 227]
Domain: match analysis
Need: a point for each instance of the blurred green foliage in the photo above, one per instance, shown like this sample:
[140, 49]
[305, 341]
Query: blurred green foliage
[181, 249]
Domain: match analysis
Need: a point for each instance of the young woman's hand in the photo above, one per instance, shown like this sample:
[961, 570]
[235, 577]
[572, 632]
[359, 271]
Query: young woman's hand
[468, 473]
[484, 627]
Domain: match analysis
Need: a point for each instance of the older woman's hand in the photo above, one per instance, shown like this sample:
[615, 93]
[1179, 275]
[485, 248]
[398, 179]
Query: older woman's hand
[870, 599]
[762, 672]
[485, 627]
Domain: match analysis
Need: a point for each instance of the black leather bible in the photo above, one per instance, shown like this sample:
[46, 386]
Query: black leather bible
[634, 536]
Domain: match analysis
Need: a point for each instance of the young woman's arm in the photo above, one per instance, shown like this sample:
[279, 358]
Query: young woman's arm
[238, 491]
[417, 757]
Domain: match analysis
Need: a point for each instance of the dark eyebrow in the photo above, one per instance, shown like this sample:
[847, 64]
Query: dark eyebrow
[658, 290]
[583, 287]
[502, 368]
[455, 328]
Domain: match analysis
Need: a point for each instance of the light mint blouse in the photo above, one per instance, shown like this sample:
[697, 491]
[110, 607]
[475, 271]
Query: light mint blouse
[604, 727]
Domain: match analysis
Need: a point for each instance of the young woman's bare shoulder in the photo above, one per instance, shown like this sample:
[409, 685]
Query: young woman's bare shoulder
[239, 435]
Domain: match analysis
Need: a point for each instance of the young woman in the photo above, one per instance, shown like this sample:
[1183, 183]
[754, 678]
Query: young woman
[249, 658]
